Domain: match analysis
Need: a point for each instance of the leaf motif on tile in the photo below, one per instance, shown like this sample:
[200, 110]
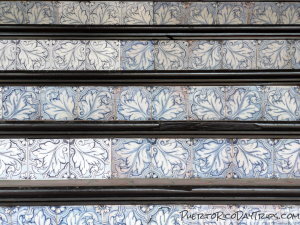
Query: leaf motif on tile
[168, 13]
[170, 157]
[7, 55]
[252, 157]
[105, 12]
[296, 55]
[59, 104]
[212, 157]
[74, 13]
[103, 55]
[168, 104]
[50, 157]
[32, 54]
[40, 13]
[244, 104]
[138, 13]
[11, 157]
[238, 54]
[134, 157]
[12, 13]
[170, 55]
[290, 13]
[231, 14]
[207, 104]
[20, 103]
[134, 105]
[95, 104]
[202, 13]
[166, 215]
[265, 13]
[206, 55]
[33, 215]
[91, 157]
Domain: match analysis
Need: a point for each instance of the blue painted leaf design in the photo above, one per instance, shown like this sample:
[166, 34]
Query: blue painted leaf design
[166, 215]
[33, 216]
[12, 12]
[202, 13]
[167, 13]
[138, 13]
[265, 13]
[40, 12]
[105, 12]
[290, 13]
[231, 13]
[74, 12]
[7, 55]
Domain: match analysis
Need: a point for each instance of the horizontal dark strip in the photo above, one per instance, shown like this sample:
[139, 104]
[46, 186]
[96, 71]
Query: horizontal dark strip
[192, 77]
[147, 195]
[158, 32]
[212, 129]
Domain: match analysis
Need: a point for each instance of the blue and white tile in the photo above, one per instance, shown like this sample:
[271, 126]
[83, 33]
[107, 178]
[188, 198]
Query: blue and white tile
[296, 54]
[84, 214]
[13, 12]
[58, 103]
[212, 158]
[282, 103]
[131, 158]
[253, 158]
[168, 103]
[6, 215]
[244, 102]
[69, 55]
[203, 13]
[165, 214]
[35, 215]
[293, 211]
[21, 103]
[96, 103]
[103, 55]
[1, 104]
[231, 13]
[73, 12]
[34, 54]
[105, 13]
[90, 158]
[171, 55]
[13, 159]
[171, 158]
[239, 54]
[137, 13]
[274, 54]
[207, 103]
[40, 12]
[205, 55]
[48, 159]
[8, 54]
[170, 13]
[137, 55]
[133, 103]
[287, 158]
[265, 13]
[290, 13]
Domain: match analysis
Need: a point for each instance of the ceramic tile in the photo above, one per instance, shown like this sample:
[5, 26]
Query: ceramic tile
[205, 55]
[296, 54]
[58, 103]
[103, 55]
[13, 12]
[40, 12]
[239, 54]
[212, 158]
[13, 159]
[253, 158]
[137, 55]
[105, 12]
[244, 103]
[73, 12]
[282, 103]
[96, 103]
[48, 159]
[6, 215]
[1, 104]
[207, 103]
[21, 103]
[171, 55]
[165, 214]
[292, 214]
[287, 158]
[290, 13]
[8, 54]
[274, 54]
[131, 158]
[90, 158]
[171, 158]
[232, 13]
[87, 214]
[33, 54]
[33, 215]
[168, 103]
[69, 55]
[137, 13]
[133, 103]
[169, 13]
[265, 13]
[202, 13]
